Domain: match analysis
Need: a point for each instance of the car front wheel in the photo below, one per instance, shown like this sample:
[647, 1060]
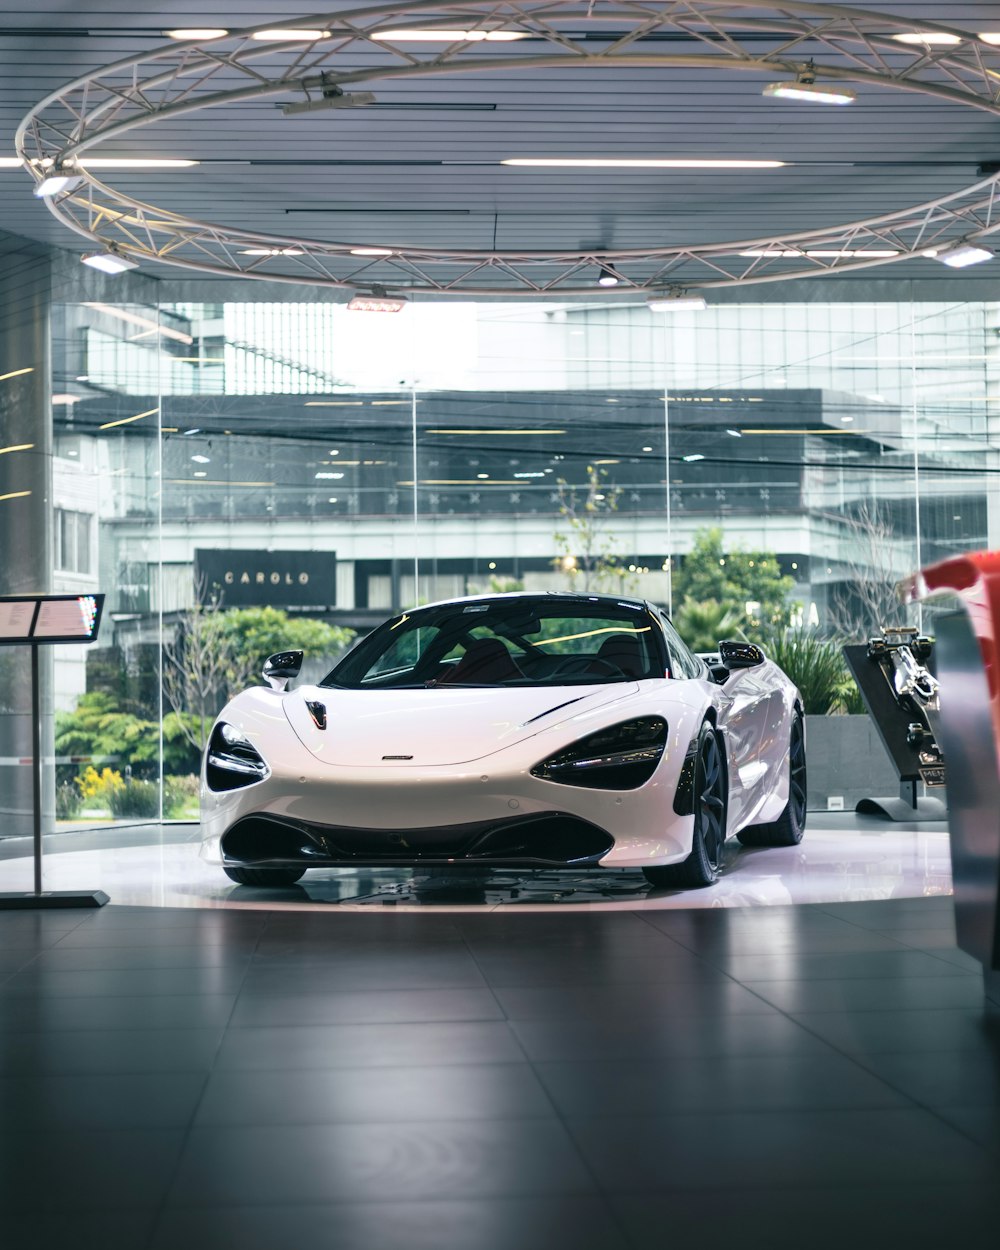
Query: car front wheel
[703, 865]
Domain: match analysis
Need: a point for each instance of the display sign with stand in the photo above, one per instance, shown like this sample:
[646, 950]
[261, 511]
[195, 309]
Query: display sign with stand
[35, 621]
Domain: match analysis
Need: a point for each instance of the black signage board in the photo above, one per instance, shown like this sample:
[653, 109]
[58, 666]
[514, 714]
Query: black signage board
[257, 579]
[26, 620]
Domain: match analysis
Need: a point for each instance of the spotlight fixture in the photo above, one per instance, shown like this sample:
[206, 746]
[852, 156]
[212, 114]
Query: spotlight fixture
[959, 255]
[607, 277]
[109, 261]
[332, 98]
[805, 88]
[58, 181]
[378, 303]
[675, 301]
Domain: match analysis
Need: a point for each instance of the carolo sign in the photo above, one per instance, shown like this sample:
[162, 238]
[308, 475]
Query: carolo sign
[283, 579]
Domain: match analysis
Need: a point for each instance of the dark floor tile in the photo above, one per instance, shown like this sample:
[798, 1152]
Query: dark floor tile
[981, 1124]
[823, 1149]
[549, 969]
[927, 939]
[364, 1162]
[16, 958]
[664, 1036]
[957, 957]
[470, 1092]
[871, 994]
[45, 1102]
[109, 1051]
[109, 1229]
[307, 953]
[375, 1007]
[942, 1078]
[407, 970]
[368, 1045]
[842, 965]
[583, 1003]
[26, 1013]
[887, 1032]
[65, 1170]
[864, 1217]
[580, 1222]
[45, 982]
[722, 1083]
[131, 958]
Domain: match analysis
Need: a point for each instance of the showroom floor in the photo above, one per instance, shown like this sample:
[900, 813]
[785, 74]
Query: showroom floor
[258, 1080]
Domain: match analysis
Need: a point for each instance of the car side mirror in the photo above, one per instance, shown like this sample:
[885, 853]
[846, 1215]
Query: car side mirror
[740, 654]
[280, 668]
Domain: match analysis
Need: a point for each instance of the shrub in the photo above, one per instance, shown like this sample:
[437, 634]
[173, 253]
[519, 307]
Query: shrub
[135, 798]
[816, 666]
[703, 625]
[180, 797]
[69, 800]
[98, 785]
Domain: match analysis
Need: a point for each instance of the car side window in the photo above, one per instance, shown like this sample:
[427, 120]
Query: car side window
[683, 663]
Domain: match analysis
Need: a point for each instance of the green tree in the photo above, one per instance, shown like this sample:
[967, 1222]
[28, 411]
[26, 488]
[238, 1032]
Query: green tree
[703, 624]
[99, 729]
[588, 549]
[734, 578]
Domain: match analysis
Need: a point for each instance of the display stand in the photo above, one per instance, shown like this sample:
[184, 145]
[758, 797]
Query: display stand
[36, 621]
[968, 653]
[892, 723]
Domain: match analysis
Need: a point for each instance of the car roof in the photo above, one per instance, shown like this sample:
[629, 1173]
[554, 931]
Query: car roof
[543, 596]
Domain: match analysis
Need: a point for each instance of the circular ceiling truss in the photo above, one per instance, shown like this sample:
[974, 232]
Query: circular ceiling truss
[833, 43]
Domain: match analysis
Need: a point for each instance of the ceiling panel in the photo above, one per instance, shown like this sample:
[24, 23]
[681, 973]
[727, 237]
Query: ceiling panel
[421, 167]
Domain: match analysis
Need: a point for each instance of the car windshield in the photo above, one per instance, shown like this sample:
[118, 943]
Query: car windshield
[516, 641]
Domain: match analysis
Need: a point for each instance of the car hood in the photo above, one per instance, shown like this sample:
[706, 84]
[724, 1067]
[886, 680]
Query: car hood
[418, 728]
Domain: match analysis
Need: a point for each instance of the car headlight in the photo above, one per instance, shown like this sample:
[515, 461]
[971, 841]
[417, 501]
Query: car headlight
[232, 760]
[622, 757]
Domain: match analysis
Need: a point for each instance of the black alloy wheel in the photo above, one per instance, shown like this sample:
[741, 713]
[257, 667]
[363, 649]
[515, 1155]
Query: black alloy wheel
[711, 790]
[788, 829]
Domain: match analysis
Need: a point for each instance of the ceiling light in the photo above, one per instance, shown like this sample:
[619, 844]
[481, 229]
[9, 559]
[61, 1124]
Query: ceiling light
[11, 162]
[734, 433]
[371, 251]
[58, 182]
[805, 88]
[959, 255]
[607, 277]
[929, 38]
[990, 36]
[288, 34]
[136, 162]
[197, 32]
[332, 98]
[200, 459]
[66, 399]
[696, 456]
[376, 303]
[600, 162]
[450, 36]
[820, 253]
[16, 373]
[493, 433]
[272, 251]
[675, 301]
[109, 261]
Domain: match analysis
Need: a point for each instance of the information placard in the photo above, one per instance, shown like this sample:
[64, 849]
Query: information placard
[43, 619]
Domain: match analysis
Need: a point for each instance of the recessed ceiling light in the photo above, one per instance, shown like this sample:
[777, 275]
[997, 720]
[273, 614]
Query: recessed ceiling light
[288, 34]
[200, 459]
[616, 162]
[197, 32]
[810, 92]
[135, 162]
[929, 38]
[371, 251]
[272, 251]
[696, 456]
[450, 36]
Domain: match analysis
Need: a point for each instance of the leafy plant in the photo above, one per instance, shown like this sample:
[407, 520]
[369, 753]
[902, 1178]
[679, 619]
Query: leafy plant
[180, 797]
[135, 798]
[69, 801]
[98, 729]
[750, 582]
[703, 625]
[816, 665]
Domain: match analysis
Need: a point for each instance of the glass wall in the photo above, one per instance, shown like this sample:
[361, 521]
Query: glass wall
[242, 477]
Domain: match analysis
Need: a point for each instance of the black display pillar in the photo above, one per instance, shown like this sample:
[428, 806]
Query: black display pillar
[25, 514]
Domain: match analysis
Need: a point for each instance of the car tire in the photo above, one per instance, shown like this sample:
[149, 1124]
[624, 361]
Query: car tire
[272, 877]
[788, 829]
[703, 865]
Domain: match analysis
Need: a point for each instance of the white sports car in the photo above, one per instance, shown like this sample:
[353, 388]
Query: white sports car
[530, 730]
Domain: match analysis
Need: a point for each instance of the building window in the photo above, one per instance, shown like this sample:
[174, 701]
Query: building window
[73, 535]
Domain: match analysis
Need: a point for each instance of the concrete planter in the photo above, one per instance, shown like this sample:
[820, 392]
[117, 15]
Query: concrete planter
[846, 757]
